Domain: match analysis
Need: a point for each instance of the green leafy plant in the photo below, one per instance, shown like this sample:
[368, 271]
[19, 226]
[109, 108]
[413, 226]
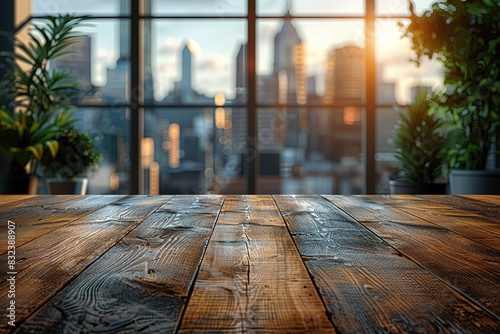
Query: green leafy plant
[77, 154]
[465, 37]
[36, 101]
[419, 143]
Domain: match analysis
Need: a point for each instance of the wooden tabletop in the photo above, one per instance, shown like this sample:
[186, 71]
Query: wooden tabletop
[265, 264]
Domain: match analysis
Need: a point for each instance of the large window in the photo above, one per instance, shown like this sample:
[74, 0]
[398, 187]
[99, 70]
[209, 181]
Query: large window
[235, 96]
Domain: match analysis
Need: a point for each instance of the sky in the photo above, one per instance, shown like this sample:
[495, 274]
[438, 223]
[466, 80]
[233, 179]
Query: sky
[216, 41]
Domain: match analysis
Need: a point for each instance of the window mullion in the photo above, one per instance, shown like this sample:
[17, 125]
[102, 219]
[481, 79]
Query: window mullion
[368, 130]
[136, 110]
[252, 156]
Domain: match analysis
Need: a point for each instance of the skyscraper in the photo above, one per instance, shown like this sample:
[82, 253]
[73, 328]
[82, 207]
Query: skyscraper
[186, 84]
[289, 69]
[147, 51]
[117, 86]
[124, 33]
[78, 61]
[241, 73]
[345, 75]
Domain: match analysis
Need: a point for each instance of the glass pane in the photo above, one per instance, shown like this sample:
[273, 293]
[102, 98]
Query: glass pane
[229, 146]
[397, 76]
[310, 7]
[297, 61]
[199, 7]
[109, 129]
[191, 61]
[89, 7]
[188, 151]
[174, 148]
[400, 7]
[385, 163]
[310, 150]
[100, 61]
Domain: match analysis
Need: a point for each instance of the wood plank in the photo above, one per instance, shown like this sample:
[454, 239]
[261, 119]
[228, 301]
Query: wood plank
[36, 223]
[46, 264]
[488, 210]
[490, 199]
[368, 288]
[6, 199]
[195, 205]
[470, 225]
[31, 204]
[252, 278]
[140, 284]
[312, 220]
[467, 266]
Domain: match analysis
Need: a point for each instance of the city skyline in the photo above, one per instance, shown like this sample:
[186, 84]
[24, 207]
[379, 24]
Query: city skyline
[211, 142]
[214, 60]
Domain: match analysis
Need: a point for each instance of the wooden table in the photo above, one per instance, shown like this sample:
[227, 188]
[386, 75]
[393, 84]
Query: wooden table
[277, 264]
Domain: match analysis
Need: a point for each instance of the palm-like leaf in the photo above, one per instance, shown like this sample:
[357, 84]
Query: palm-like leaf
[419, 143]
[36, 102]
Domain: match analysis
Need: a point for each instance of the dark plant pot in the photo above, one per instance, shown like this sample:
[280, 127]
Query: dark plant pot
[19, 184]
[402, 187]
[463, 181]
[64, 187]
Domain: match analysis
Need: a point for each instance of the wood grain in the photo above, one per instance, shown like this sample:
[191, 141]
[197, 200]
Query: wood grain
[141, 283]
[13, 198]
[495, 200]
[46, 264]
[367, 287]
[253, 263]
[465, 265]
[469, 204]
[252, 278]
[29, 204]
[49, 217]
[481, 229]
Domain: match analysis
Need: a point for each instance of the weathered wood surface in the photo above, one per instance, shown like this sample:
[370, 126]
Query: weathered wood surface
[471, 225]
[376, 288]
[48, 263]
[253, 263]
[464, 264]
[141, 283]
[51, 215]
[495, 200]
[14, 198]
[13, 209]
[470, 204]
[252, 278]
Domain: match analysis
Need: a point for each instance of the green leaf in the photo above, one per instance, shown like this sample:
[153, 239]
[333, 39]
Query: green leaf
[36, 150]
[53, 146]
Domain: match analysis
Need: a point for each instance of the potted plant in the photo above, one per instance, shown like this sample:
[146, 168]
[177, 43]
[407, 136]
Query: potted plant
[35, 102]
[77, 155]
[420, 148]
[465, 37]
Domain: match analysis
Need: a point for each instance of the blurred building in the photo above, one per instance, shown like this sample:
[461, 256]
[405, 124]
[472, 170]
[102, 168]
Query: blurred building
[78, 61]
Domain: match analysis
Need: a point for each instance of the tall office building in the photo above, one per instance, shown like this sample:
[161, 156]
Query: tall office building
[147, 50]
[289, 69]
[117, 88]
[183, 91]
[340, 129]
[345, 75]
[78, 62]
[241, 73]
[186, 83]
[286, 84]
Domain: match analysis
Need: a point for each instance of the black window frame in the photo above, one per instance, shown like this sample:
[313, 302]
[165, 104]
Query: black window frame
[136, 105]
